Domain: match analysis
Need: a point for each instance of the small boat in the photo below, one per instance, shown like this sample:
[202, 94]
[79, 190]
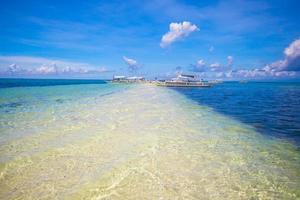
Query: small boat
[124, 79]
[119, 79]
[184, 80]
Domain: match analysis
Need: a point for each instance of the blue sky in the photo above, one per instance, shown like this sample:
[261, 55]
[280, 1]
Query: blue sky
[226, 39]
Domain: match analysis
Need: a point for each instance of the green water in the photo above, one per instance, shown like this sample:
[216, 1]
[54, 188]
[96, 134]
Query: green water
[134, 142]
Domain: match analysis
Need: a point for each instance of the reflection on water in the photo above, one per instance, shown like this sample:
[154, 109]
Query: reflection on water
[142, 142]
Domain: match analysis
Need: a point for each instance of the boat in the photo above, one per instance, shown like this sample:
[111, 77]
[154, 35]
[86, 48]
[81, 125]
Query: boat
[124, 79]
[119, 79]
[184, 80]
[135, 79]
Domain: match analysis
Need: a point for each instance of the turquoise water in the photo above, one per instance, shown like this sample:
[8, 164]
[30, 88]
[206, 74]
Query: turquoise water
[31, 107]
[111, 141]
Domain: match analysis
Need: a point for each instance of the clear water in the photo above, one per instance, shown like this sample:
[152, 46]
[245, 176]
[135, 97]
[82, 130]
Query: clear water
[272, 108]
[6, 83]
[110, 141]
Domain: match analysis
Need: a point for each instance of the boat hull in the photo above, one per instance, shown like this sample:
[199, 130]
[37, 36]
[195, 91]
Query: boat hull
[165, 84]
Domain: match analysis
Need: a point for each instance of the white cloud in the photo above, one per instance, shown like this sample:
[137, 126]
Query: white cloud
[177, 31]
[200, 66]
[293, 51]
[229, 60]
[222, 67]
[46, 69]
[287, 67]
[215, 66]
[291, 61]
[13, 68]
[130, 61]
[53, 69]
[228, 74]
[246, 74]
[26, 65]
[67, 70]
[211, 49]
[285, 73]
[200, 63]
[132, 64]
[259, 74]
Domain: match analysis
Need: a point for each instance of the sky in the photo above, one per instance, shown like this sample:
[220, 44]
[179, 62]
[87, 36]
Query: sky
[225, 39]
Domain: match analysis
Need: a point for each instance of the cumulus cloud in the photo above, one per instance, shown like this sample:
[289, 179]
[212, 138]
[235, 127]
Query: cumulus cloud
[200, 66]
[13, 68]
[177, 31]
[200, 63]
[291, 61]
[215, 66]
[261, 73]
[246, 74]
[24, 65]
[229, 60]
[256, 73]
[46, 69]
[132, 64]
[287, 67]
[292, 56]
[222, 67]
[54, 69]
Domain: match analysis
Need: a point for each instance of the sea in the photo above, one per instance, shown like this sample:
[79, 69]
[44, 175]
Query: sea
[92, 139]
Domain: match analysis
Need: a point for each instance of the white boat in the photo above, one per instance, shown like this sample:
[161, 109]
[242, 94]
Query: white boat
[119, 79]
[184, 80]
[124, 79]
[136, 78]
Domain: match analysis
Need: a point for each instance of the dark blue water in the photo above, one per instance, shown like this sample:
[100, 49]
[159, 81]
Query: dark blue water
[273, 108]
[5, 83]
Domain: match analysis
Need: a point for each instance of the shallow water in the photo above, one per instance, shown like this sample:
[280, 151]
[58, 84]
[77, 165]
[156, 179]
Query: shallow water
[135, 142]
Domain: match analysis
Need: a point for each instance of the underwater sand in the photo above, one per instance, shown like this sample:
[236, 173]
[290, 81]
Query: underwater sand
[142, 142]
